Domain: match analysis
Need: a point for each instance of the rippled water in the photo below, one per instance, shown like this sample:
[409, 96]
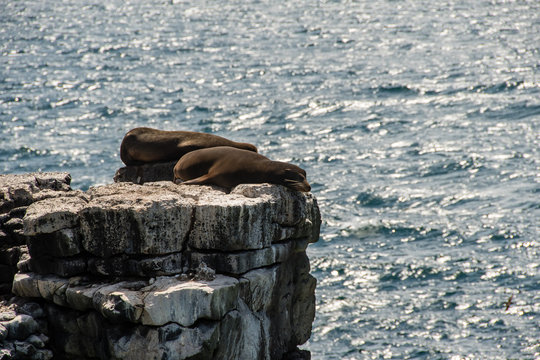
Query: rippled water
[418, 123]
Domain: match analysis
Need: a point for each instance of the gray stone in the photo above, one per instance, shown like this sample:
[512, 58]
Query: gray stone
[118, 303]
[204, 273]
[290, 206]
[26, 285]
[303, 308]
[24, 350]
[235, 223]
[7, 315]
[89, 336]
[196, 342]
[168, 342]
[43, 354]
[297, 354]
[166, 300]
[7, 353]
[32, 309]
[283, 310]
[184, 302]
[22, 189]
[13, 224]
[52, 288]
[58, 181]
[36, 341]
[82, 297]
[261, 284]
[48, 287]
[130, 219]
[20, 327]
[243, 335]
[225, 222]
[53, 214]
[252, 217]
[24, 265]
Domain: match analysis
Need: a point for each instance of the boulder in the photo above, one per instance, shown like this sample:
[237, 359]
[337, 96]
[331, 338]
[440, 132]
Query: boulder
[20, 327]
[24, 189]
[53, 214]
[132, 219]
[169, 300]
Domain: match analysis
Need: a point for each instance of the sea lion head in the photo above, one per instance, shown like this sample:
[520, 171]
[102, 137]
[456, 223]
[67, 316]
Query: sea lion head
[294, 177]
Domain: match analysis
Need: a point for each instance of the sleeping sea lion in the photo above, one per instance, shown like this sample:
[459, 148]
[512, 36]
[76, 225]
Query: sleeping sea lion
[227, 167]
[146, 145]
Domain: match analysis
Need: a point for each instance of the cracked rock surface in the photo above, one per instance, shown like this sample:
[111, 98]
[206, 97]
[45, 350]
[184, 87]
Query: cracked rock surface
[171, 271]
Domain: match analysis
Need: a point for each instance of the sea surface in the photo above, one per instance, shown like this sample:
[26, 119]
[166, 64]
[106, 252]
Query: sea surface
[417, 121]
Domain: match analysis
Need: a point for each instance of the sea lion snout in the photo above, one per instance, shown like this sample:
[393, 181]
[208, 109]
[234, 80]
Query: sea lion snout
[305, 186]
[296, 180]
[300, 186]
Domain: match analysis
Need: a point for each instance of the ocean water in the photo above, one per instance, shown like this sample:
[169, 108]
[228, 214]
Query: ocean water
[418, 123]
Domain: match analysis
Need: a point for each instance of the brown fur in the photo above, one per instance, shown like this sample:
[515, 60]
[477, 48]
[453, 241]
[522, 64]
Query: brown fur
[227, 167]
[146, 145]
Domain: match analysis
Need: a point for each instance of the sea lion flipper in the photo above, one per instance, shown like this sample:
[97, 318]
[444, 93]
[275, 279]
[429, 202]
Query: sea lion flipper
[201, 180]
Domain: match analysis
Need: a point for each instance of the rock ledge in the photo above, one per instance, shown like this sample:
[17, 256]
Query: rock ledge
[168, 271]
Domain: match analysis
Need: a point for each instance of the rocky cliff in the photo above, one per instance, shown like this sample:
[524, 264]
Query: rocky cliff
[17, 192]
[164, 271]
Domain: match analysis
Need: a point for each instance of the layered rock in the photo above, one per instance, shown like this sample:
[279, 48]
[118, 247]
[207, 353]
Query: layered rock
[172, 272]
[17, 192]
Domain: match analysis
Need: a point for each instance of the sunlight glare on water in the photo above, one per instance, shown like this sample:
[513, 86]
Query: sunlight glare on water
[418, 123]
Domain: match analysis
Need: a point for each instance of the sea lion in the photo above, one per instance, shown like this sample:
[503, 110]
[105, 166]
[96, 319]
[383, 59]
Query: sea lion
[146, 145]
[227, 167]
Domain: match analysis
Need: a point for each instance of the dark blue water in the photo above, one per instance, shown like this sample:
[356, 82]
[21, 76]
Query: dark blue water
[418, 123]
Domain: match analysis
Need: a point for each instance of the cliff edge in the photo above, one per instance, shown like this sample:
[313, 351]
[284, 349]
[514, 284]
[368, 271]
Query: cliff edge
[162, 271]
